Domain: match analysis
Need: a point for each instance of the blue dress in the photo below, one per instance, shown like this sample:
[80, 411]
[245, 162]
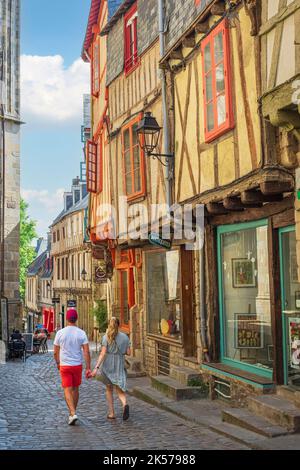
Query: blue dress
[113, 367]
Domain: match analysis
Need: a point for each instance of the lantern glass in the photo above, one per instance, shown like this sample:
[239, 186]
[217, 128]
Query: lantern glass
[149, 133]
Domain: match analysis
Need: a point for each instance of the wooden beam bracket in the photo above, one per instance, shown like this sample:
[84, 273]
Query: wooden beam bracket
[233, 204]
[276, 187]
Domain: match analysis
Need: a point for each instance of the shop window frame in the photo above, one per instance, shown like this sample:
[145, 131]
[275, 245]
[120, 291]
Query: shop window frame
[267, 373]
[156, 336]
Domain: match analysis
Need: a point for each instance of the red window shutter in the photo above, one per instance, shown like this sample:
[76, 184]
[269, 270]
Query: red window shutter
[95, 70]
[100, 164]
[92, 169]
[131, 293]
[130, 38]
[135, 50]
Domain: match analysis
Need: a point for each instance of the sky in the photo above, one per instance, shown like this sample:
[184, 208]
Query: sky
[53, 80]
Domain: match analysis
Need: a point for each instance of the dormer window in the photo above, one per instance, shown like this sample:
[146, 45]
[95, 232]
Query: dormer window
[130, 33]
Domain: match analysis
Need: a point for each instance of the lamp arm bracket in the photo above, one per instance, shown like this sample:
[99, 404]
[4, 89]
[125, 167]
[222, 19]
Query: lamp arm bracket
[162, 155]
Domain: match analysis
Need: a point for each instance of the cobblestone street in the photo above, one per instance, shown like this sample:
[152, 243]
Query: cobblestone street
[33, 416]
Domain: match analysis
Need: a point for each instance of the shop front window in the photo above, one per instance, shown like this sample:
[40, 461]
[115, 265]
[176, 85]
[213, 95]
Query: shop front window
[290, 305]
[163, 293]
[245, 294]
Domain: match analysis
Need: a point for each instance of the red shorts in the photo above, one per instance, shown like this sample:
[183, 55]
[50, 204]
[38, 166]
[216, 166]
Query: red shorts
[71, 376]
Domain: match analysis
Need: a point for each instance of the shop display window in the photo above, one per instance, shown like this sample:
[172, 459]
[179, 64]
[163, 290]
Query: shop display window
[245, 295]
[163, 293]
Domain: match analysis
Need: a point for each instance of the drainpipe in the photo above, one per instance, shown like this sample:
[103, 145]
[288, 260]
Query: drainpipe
[166, 127]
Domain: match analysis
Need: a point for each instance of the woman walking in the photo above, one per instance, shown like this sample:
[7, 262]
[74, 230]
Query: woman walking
[115, 345]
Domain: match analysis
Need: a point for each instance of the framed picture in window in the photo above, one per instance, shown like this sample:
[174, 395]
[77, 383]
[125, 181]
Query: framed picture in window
[248, 331]
[243, 273]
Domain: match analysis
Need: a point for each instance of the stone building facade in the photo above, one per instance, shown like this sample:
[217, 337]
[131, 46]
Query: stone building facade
[72, 263]
[10, 162]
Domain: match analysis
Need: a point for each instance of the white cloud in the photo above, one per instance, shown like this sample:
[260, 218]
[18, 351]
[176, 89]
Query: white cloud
[50, 92]
[44, 206]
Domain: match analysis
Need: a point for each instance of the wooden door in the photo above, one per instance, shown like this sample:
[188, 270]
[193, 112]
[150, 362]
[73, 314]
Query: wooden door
[188, 314]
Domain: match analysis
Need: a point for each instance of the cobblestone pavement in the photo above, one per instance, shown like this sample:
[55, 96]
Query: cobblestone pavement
[33, 416]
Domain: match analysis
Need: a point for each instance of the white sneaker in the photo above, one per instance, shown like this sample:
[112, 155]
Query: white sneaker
[72, 420]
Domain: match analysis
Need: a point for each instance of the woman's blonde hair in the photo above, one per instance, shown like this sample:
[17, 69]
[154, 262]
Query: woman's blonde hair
[112, 330]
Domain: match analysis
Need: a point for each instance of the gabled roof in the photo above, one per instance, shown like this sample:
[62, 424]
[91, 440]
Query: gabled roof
[113, 5]
[37, 264]
[82, 204]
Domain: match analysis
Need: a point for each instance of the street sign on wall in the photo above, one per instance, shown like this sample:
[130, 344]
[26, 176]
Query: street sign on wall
[71, 304]
[156, 240]
[56, 300]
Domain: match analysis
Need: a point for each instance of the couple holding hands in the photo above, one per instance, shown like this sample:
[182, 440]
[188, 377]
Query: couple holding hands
[71, 345]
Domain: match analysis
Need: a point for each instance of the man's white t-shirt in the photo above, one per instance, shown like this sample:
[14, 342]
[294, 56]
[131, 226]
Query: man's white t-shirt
[70, 340]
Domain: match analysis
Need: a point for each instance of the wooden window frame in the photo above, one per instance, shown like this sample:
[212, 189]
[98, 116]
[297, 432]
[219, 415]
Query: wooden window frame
[228, 124]
[131, 61]
[95, 68]
[94, 159]
[135, 194]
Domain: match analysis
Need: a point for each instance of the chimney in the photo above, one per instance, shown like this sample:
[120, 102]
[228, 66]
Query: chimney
[68, 201]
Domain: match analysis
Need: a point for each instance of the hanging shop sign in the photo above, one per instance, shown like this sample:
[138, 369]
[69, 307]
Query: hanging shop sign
[101, 273]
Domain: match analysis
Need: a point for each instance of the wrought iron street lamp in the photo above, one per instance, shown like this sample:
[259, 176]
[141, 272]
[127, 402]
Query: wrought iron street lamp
[84, 275]
[149, 133]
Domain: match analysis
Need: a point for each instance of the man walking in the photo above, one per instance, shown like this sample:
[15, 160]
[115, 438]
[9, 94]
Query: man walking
[68, 346]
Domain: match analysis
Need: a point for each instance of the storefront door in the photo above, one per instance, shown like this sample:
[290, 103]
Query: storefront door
[290, 291]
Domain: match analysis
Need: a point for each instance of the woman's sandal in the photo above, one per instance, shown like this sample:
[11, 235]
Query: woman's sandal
[126, 413]
[111, 417]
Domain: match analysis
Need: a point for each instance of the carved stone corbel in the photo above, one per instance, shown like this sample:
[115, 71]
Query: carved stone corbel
[252, 8]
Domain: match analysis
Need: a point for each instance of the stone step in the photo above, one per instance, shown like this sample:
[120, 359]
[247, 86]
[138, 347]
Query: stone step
[151, 396]
[251, 439]
[289, 393]
[247, 420]
[175, 390]
[184, 375]
[276, 409]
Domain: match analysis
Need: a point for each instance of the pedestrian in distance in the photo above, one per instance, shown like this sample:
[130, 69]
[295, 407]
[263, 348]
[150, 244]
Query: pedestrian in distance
[70, 345]
[115, 345]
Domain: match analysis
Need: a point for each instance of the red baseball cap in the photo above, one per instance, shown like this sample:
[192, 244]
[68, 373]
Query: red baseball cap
[72, 315]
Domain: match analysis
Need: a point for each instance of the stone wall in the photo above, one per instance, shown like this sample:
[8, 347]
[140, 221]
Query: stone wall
[10, 98]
